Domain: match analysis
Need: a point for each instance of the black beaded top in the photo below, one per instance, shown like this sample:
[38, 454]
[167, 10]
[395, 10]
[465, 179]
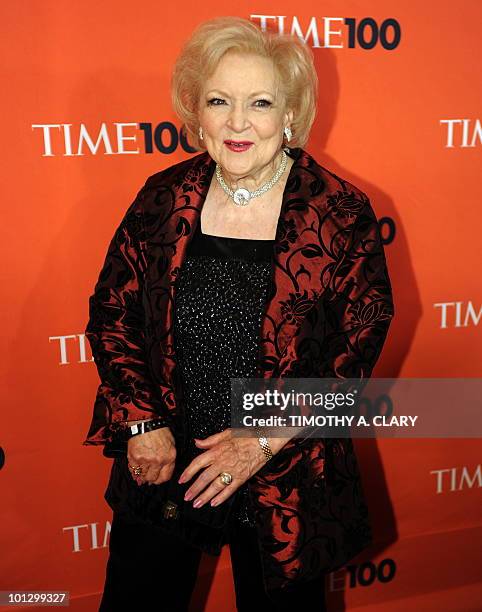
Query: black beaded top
[220, 297]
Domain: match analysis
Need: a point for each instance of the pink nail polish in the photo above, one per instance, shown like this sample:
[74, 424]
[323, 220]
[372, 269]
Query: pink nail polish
[188, 496]
[197, 503]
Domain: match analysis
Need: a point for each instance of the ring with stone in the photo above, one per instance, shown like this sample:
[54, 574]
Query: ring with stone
[226, 478]
[136, 470]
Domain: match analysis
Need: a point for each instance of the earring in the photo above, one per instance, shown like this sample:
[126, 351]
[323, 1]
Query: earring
[201, 137]
[288, 133]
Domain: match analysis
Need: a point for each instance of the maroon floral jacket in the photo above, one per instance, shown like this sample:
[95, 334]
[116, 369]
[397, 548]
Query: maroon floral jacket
[328, 314]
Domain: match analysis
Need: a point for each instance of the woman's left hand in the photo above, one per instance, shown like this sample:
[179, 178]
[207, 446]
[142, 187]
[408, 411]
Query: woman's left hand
[239, 456]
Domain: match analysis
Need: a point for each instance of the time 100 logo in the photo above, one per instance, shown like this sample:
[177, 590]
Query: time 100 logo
[165, 137]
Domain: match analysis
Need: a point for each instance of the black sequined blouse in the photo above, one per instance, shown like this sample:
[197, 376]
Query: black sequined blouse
[220, 296]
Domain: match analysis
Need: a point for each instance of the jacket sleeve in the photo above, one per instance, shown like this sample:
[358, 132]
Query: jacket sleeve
[359, 305]
[116, 333]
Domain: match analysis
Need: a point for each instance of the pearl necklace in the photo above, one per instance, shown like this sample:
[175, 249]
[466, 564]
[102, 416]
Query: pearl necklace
[242, 196]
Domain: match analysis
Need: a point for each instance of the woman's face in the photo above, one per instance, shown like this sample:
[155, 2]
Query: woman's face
[240, 102]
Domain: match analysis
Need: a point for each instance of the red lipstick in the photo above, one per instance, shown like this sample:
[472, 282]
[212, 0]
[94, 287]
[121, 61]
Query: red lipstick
[238, 145]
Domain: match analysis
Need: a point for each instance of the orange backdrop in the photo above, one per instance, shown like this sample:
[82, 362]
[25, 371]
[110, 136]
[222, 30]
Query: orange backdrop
[87, 117]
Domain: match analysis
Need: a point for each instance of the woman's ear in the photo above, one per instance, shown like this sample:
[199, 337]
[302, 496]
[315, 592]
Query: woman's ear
[289, 116]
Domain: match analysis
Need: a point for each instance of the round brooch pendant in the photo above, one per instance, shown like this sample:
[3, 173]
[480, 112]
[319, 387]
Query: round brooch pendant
[241, 197]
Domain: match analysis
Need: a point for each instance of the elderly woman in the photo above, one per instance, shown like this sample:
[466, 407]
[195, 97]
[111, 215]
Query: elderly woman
[246, 260]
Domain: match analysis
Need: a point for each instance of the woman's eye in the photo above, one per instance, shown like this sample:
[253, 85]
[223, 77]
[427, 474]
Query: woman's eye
[212, 101]
[265, 103]
[258, 103]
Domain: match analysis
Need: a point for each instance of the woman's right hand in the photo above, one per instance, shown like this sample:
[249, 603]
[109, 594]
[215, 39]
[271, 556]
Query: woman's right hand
[155, 452]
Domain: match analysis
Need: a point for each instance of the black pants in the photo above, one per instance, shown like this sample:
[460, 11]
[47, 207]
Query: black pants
[148, 570]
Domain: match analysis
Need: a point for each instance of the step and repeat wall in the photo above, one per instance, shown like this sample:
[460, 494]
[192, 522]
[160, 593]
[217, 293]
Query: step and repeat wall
[87, 118]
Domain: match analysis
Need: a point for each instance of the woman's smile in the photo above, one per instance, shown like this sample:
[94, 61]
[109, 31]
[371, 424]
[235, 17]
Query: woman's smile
[238, 146]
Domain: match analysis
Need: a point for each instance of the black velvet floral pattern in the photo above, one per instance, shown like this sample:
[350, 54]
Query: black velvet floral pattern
[328, 313]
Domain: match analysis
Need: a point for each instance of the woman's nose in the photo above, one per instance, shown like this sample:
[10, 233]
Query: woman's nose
[237, 119]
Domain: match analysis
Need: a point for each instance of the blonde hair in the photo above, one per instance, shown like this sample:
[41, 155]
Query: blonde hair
[201, 54]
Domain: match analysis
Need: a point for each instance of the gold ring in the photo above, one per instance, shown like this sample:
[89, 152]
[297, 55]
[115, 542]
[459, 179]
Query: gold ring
[136, 470]
[226, 478]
